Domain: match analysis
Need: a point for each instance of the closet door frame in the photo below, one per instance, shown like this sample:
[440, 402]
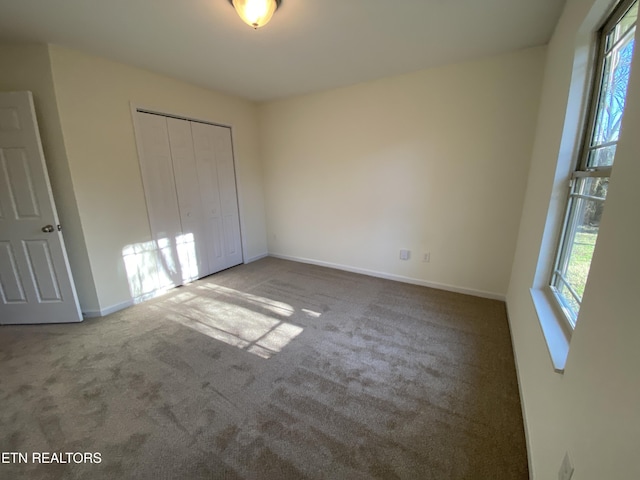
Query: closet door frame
[137, 108]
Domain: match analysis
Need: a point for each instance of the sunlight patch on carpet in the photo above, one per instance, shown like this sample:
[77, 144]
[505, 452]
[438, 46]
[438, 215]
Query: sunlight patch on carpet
[248, 322]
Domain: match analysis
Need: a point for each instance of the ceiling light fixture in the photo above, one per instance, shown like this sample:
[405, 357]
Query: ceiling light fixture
[255, 13]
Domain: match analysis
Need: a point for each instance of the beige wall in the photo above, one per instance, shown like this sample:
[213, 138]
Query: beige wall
[94, 96]
[434, 161]
[591, 410]
[27, 67]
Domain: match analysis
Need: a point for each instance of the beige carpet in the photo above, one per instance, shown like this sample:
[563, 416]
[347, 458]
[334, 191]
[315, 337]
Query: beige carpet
[272, 370]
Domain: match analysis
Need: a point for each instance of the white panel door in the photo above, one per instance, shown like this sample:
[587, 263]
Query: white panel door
[160, 194]
[208, 182]
[228, 195]
[192, 245]
[216, 176]
[36, 285]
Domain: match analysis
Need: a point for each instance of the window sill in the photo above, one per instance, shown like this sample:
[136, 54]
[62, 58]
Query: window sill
[555, 333]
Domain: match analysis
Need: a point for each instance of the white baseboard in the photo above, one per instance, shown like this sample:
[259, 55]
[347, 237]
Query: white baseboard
[133, 301]
[527, 437]
[126, 304]
[397, 278]
[257, 257]
[108, 310]
[347, 268]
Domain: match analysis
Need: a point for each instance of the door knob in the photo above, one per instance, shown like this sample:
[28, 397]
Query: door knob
[47, 228]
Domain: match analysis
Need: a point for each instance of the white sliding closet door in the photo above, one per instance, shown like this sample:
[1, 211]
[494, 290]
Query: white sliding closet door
[192, 244]
[190, 186]
[216, 176]
[160, 192]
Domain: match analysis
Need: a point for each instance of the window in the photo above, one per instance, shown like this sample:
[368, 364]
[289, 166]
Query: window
[590, 180]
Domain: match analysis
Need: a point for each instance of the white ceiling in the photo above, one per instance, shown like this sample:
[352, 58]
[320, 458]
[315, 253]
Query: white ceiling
[309, 45]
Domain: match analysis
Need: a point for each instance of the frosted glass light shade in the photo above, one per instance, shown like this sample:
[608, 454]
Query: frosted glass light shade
[255, 13]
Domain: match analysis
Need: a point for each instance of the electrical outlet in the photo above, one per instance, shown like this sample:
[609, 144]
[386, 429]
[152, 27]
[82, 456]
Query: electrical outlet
[405, 254]
[427, 257]
[566, 469]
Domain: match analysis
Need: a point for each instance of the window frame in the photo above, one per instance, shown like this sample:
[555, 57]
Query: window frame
[582, 169]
